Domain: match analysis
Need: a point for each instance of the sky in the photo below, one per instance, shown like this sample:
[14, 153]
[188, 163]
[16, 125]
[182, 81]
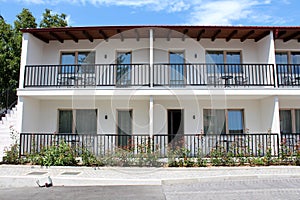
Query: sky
[161, 12]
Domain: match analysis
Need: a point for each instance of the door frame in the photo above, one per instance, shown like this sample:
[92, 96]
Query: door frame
[117, 124]
[168, 123]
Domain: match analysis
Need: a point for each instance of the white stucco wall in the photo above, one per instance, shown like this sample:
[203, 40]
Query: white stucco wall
[269, 114]
[44, 116]
[30, 115]
[291, 45]
[251, 51]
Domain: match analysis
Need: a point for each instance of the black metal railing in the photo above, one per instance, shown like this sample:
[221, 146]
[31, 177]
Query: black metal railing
[8, 99]
[288, 75]
[120, 75]
[290, 143]
[225, 75]
[99, 145]
[204, 145]
[162, 145]
[176, 75]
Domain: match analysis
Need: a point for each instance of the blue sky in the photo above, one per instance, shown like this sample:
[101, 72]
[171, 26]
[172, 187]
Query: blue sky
[157, 12]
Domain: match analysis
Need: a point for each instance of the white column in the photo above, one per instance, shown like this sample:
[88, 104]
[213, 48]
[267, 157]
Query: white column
[276, 121]
[25, 40]
[151, 56]
[271, 59]
[151, 128]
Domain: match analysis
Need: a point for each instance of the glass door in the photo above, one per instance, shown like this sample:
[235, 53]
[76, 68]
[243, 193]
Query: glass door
[176, 60]
[123, 69]
[124, 128]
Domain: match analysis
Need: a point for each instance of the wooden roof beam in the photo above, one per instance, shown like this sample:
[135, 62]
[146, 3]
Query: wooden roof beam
[137, 34]
[75, 39]
[86, 34]
[247, 35]
[292, 36]
[105, 37]
[261, 36]
[278, 34]
[200, 34]
[213, 38]
[185, 31]
[229, 37]
[56, 37]
[121, 34]
[40, 37]
[169, 35]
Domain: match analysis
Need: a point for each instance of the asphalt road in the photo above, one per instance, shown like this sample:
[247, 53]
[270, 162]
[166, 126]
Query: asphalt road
[248, 188]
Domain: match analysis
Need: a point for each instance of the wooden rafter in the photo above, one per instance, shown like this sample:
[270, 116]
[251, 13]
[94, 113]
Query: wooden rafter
[56, 37]
[261, 36]
[137, 34]
[121, 34]
[292, 36]
[185, 31]
[279, 34]
[169, 35]
[40, 37]
[247, 35]
[200, 34]
[75, 39]
[86, 34]
[105, 37]
[229, 37]
[213, 38]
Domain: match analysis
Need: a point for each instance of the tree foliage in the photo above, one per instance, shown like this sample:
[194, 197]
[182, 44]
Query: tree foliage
[11, 42]
[51, 20]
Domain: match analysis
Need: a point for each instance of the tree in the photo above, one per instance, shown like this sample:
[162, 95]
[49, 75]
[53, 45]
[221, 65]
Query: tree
[8, 60]
[53, 20]
[25, 20]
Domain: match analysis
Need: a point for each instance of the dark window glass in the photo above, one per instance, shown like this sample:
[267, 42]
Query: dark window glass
[285, 121]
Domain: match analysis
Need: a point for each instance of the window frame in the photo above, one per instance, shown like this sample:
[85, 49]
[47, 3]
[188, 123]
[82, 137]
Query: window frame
[223, 70]
[76, 65]
[293, 117]
[74, 118]
[289, 69]
[227, 131]
[129, 77]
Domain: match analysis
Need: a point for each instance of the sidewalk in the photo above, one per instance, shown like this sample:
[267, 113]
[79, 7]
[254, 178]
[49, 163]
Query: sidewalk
[26, 176]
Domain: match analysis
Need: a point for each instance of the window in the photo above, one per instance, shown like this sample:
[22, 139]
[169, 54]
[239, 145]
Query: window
[81, 121]
[123, 68]
[74, 60]
[221, 121]
[176, 60]
[289, 121]
[288, 62]
[232, 61]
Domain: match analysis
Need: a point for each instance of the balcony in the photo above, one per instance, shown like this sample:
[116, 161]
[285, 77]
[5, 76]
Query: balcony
[252, 144]
[288, 75]
[160, 75]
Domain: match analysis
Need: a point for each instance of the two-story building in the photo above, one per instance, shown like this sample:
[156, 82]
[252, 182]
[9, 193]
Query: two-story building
[150, 80]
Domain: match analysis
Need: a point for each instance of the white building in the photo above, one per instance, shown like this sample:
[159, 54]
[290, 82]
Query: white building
[160, 80]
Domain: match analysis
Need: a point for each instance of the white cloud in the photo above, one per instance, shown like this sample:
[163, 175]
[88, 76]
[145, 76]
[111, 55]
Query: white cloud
[224, 12]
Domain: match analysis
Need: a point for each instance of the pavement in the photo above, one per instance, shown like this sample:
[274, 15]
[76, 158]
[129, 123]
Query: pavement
[15, 176]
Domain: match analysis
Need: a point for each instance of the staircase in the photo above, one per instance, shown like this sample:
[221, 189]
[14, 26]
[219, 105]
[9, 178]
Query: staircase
[7, 124]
